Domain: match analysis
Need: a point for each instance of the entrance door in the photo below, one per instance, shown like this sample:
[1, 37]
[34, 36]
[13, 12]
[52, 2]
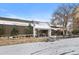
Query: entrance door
[42, 33]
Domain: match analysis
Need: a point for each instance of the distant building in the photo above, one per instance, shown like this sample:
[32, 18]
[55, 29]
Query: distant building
[40, 29]
[76, 19]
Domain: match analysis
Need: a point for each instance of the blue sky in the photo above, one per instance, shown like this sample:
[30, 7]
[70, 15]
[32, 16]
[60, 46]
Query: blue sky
[28, 11]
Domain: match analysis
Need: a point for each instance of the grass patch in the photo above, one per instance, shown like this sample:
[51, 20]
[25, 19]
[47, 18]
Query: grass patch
[11, 41]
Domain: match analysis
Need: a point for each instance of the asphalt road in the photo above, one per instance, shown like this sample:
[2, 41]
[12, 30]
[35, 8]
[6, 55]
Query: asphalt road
[61, 47]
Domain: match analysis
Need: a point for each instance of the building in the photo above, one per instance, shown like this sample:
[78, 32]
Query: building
[40, 29]
[76, 19]
[9, 23]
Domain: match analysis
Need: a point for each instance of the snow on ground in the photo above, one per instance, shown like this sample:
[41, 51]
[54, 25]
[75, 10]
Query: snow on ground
[61, 47]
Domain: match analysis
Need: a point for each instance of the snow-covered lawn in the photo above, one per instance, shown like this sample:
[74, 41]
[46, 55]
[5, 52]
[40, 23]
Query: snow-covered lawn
[61, 47]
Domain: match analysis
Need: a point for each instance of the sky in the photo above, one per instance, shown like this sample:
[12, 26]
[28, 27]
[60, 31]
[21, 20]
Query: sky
[28, 11]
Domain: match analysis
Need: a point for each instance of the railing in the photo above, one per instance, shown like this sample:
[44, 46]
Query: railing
[54, 38]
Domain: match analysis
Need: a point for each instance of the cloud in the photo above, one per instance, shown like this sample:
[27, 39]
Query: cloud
[14, 16]
[11, 15]
[42, 20]
[23, 18]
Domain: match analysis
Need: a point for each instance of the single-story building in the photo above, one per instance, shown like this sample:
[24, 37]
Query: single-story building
[39, 28]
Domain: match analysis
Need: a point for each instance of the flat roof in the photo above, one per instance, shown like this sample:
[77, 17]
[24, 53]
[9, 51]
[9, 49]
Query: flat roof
[14, 19]
[42, 25]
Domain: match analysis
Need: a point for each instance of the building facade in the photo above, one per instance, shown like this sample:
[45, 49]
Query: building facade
[9, 23]
[76, 19]
[40, 29]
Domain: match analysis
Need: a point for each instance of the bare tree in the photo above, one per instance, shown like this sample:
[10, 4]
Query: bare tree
[64, 13]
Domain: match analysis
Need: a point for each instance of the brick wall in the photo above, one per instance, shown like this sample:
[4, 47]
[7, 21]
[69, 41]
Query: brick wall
[8, 29]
